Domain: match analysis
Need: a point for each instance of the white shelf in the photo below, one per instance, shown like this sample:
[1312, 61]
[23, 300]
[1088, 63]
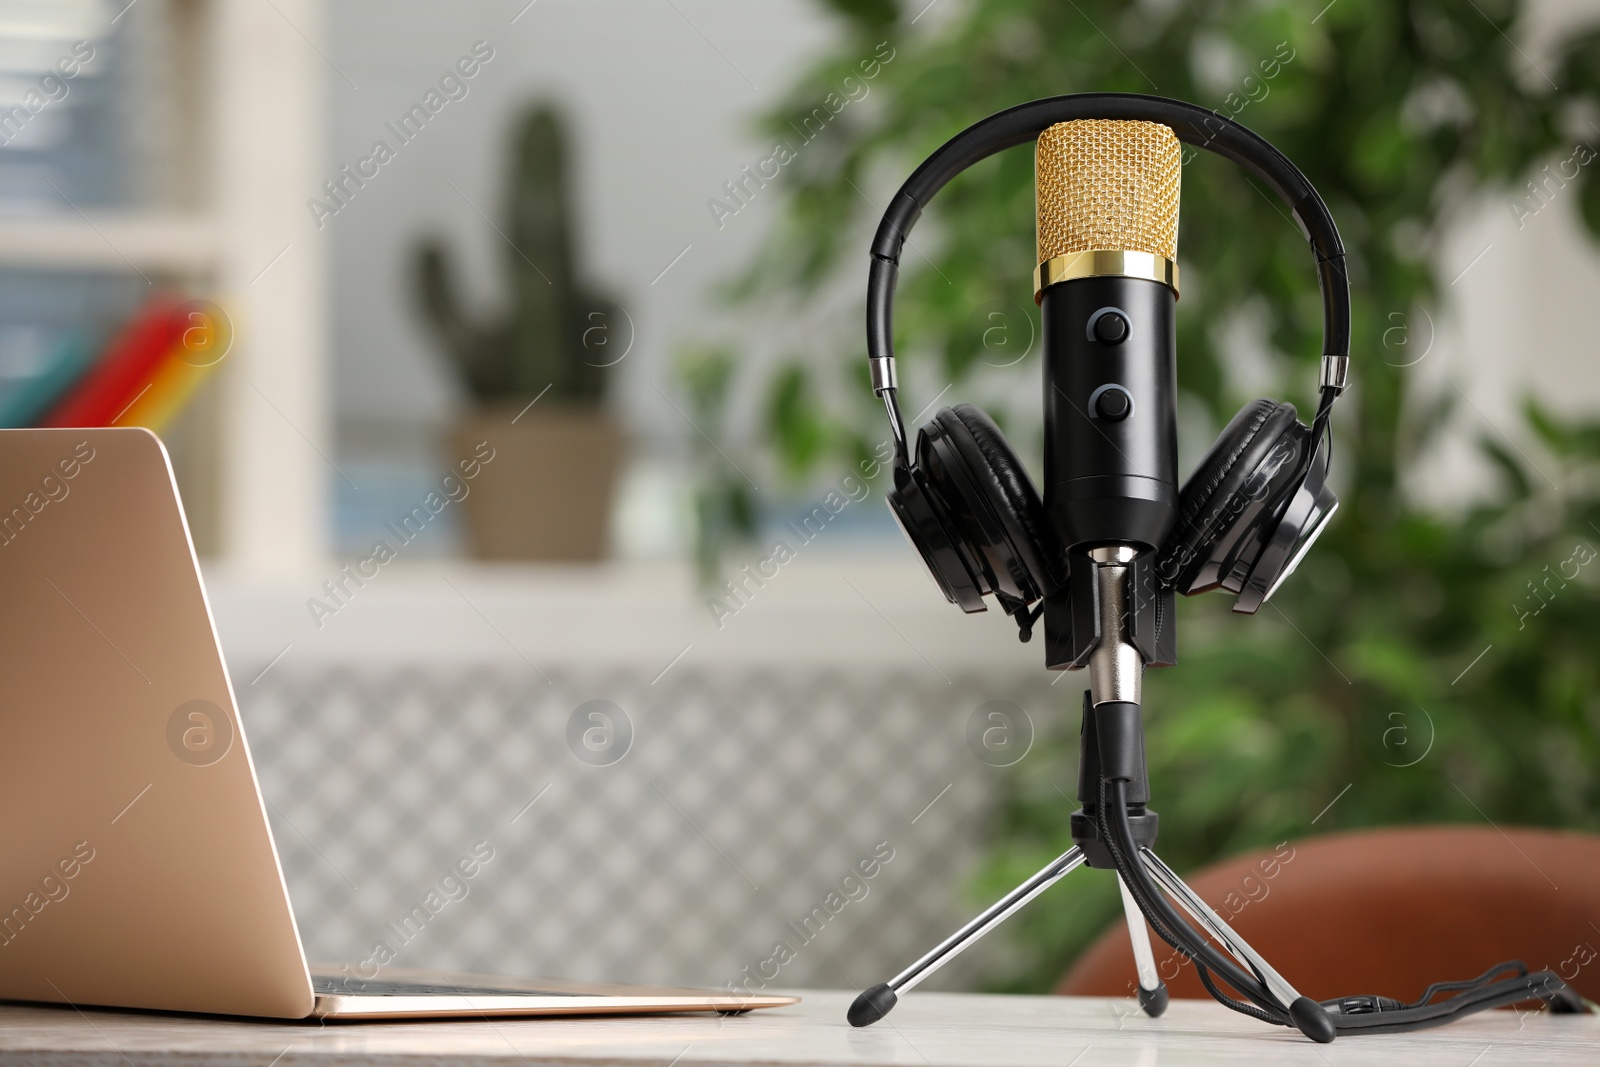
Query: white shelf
[113, 241]
[823, 613]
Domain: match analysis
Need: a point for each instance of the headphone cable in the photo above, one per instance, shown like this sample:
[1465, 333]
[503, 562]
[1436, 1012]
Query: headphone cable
[1117, 832]
[1357, 1014]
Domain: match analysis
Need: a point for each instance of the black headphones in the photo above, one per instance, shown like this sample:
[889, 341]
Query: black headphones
[1253, 505]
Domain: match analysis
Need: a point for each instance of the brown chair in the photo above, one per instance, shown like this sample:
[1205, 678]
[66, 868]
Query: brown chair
[1388, 912]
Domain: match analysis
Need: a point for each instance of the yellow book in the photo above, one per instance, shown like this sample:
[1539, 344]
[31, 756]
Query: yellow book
[171, 386]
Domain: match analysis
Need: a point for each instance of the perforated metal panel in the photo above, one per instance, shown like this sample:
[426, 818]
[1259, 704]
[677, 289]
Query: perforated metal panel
[744, 800]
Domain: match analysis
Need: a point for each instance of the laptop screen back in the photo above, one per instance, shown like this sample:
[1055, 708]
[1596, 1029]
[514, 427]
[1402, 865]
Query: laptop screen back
[137, 867]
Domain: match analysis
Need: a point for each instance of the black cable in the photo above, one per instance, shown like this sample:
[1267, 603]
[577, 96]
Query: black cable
[1117, 832]
[1372, 1014]
[1226, 1001]
[1185, 946]
[1320, 438]
[1363, 1014]
[1137, 889]
[1542, 985]
[1369, 1014]
[1471, 983]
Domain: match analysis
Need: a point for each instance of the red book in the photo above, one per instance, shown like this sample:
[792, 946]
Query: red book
[125, 370]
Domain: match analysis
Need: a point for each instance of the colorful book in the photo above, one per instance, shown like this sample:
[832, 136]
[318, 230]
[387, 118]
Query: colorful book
[171, 385]
[127, 369]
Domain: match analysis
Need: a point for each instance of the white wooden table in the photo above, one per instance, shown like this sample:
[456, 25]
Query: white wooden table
[931, 1029]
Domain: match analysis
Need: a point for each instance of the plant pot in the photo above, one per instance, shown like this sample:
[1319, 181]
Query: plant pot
[546, 492]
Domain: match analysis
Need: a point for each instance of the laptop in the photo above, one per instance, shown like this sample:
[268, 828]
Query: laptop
[137, 866]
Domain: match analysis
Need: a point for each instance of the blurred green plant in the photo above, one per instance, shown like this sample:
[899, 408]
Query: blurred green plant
[1421, 667]
[724, 511]
[552, 326]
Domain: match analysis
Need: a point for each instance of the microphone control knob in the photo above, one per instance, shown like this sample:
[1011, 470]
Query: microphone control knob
[1112, 403]
[1110, 328]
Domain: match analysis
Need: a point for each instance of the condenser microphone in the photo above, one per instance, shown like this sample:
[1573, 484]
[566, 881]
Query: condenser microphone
[1107, 289]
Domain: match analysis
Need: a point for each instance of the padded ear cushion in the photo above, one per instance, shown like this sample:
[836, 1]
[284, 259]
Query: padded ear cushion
[1238, 451]
[1007, 489]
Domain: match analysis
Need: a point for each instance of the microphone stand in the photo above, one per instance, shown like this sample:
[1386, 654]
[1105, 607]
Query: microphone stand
[1116, 669]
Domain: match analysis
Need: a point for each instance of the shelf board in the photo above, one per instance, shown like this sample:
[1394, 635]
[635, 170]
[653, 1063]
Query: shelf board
[116, 241]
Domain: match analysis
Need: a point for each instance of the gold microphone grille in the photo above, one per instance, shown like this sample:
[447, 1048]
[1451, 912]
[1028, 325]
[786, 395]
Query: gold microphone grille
[1107, 184]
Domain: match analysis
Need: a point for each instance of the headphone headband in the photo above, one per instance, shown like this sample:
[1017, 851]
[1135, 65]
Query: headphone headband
[1192, 125]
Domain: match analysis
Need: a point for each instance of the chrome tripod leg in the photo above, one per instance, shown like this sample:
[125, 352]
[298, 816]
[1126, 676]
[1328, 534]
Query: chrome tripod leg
[1152, 991]
[876, 1002]
[1212, 923]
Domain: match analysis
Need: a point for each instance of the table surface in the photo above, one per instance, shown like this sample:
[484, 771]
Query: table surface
[929, 1029]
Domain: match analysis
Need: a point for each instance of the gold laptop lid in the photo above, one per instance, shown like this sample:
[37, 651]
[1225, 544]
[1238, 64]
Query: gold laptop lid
[137, 868]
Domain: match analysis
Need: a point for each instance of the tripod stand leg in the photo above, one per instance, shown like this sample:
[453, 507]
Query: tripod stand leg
[1152, 990]
[876, 1002]
[1220, 931]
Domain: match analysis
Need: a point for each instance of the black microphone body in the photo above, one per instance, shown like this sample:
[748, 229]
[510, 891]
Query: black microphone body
[1110, 424]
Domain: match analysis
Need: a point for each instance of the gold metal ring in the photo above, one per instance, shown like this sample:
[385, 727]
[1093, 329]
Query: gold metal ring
[1100, 263]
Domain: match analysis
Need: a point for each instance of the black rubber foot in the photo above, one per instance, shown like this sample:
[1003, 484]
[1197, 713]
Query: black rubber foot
[1153, 1001]
[872, 1005]
[1312, 1020]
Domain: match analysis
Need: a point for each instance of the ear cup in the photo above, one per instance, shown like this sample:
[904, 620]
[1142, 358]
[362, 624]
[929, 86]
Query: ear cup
[916, 506]
[995, 501]
[1222, 490]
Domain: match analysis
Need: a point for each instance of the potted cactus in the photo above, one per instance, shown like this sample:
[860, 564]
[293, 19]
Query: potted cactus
[537, 371]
